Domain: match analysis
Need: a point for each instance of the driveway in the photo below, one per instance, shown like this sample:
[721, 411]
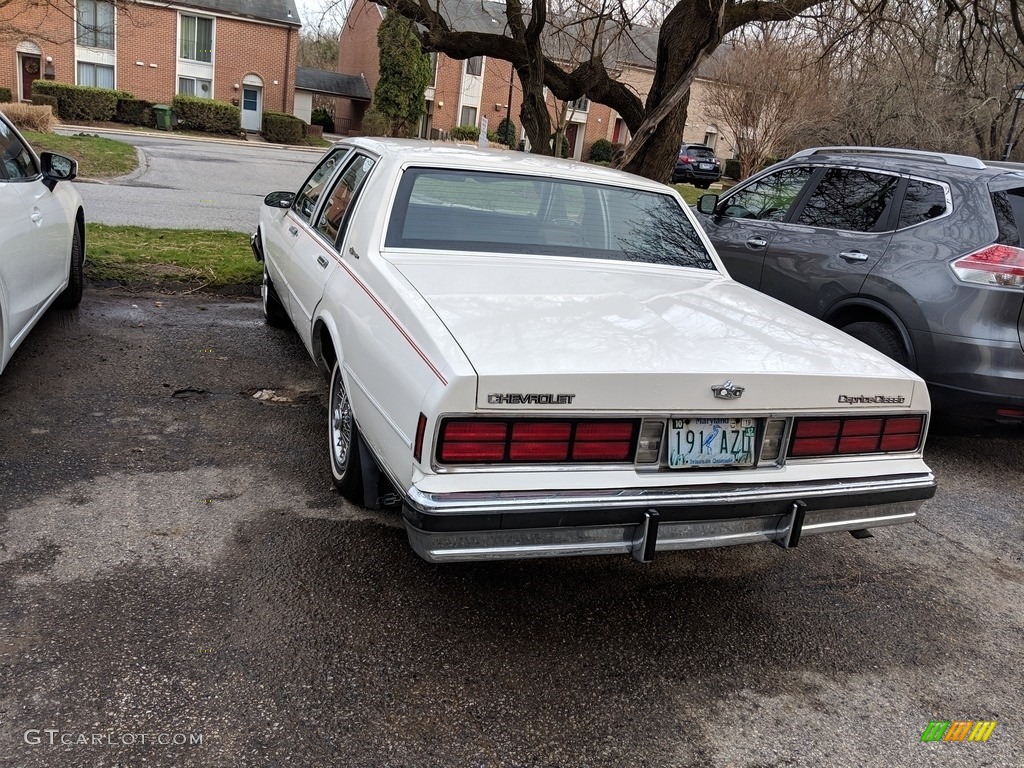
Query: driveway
[174, 563]
[184, 183]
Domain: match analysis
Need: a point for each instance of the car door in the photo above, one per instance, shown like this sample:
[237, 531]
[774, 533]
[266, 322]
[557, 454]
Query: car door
[19, 234]
[837, 234]
[280, 239]
[316, 255]
[748, 219]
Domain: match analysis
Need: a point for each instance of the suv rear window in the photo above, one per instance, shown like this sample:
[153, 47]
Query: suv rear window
[922, 201]
[1009, 208]
[697, 151]
[468, 210]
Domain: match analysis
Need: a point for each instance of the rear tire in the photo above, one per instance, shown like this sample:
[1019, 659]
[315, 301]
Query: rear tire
[880, 336]
[343, 441]
[273, 310]
[71, 296]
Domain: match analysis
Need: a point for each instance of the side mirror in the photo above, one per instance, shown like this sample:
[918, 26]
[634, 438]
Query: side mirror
[279, 199]
[707, 204]
[57, 168]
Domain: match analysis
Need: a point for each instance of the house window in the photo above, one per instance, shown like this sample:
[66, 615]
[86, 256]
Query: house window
[433, 69]
[475, 66]
[196, 39]
[195, 86]
[710, 137]
[468, 116]
[582, 104]
[96, 75]
[95, 27]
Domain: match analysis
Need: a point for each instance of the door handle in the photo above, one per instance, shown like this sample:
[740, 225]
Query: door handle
[294, 231]
[36, 217]
[852, 256]
[757, 242]
[322, 261]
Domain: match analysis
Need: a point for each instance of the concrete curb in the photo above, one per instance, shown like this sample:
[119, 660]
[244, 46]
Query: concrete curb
[171, 135]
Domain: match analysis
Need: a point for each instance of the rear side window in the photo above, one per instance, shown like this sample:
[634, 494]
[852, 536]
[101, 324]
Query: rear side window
[851, 200]
[468, 210]
[332, 217]
[1009, 209]
[922, 201]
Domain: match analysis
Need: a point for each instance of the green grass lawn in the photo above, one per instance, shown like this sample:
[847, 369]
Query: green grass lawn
[142, 255]
[97, 158]
[690, 193]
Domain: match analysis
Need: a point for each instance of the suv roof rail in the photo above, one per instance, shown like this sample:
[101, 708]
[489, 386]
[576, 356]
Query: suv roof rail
[962, 161]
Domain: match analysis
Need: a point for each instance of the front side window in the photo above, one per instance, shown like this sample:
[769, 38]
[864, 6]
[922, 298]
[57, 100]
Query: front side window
[850, 200]
[16, 161]
[922, 201]
[314, 187]
[477, 211]
[95, 24]
[770, 197]
[196, 39]
[96, 75]
[332, 217]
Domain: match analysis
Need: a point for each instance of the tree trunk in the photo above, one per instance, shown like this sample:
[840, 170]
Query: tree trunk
[534, 111]
[690, 32]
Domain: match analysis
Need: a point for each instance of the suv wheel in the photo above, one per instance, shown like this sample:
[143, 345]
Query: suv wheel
[880, 336]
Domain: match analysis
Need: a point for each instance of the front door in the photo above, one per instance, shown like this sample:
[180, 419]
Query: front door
[29, 74]
[252, 108]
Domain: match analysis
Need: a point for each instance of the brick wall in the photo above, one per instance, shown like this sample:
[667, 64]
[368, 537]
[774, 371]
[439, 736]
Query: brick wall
[146, 51]
[357, 55]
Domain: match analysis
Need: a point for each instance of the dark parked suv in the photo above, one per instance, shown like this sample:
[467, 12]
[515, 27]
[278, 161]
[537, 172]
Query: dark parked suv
[917, 254]
[698, 165]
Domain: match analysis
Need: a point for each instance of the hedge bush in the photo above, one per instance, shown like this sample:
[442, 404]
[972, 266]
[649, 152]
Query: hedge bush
[506, 132]
[322, 118]
[465, 133]
[279, 128]
[732, 168]
[80, 102]
[207, 115]
[45, 100]
[600, 151]
[5, 96]
[31, 117]
[135, 111]
[374, 123]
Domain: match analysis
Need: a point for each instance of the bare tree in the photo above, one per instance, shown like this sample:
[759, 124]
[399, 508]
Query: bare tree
[33, 19]
[766, 90]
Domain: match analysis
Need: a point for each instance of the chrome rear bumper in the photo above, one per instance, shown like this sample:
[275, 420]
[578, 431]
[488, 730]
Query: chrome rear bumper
[494, 528]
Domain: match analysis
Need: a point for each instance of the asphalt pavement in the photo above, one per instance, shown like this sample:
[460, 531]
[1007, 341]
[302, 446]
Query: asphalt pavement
[180, 586]
[194, 183]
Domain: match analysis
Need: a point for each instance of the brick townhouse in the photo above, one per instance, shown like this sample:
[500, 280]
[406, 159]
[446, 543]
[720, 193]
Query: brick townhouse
[239, 51]
[465, 92]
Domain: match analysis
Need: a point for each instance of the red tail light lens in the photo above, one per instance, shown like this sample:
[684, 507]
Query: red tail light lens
[851, 436]
[998, 265]
[472, 442]
[469, 441]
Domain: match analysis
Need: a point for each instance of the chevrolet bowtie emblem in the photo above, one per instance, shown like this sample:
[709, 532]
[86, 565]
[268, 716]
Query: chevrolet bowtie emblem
[727, 391]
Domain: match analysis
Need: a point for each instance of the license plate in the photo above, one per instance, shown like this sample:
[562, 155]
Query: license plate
[706, 442]
[705, 166]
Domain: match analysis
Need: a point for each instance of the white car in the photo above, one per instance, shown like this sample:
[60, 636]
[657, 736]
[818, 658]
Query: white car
[537, 357]
[42, 237]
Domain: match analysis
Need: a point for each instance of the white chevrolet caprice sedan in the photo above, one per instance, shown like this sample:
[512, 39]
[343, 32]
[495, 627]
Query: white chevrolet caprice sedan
[536, 357]
[42, 237]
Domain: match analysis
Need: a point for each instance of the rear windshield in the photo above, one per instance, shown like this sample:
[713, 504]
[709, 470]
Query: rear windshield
[698, 151]
[1009, 208]
[478, 211]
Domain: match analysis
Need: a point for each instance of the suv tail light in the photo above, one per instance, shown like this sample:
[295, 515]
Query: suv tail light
[996, 264]
[852, 435]
[685, 159]
[534, 441]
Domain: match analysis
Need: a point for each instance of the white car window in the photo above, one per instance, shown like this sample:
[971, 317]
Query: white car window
[306, 200]
[16, 161]
[332, 217]
[468, 210]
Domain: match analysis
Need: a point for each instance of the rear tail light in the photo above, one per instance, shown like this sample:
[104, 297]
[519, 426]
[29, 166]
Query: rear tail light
[685, 159]
[998, 265]
[473, 441]
[856, 435]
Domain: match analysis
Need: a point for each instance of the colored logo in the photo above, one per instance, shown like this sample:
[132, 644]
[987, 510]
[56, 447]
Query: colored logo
[958, 730]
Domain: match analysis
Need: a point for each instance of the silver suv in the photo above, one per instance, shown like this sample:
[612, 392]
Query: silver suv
[918, 254]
